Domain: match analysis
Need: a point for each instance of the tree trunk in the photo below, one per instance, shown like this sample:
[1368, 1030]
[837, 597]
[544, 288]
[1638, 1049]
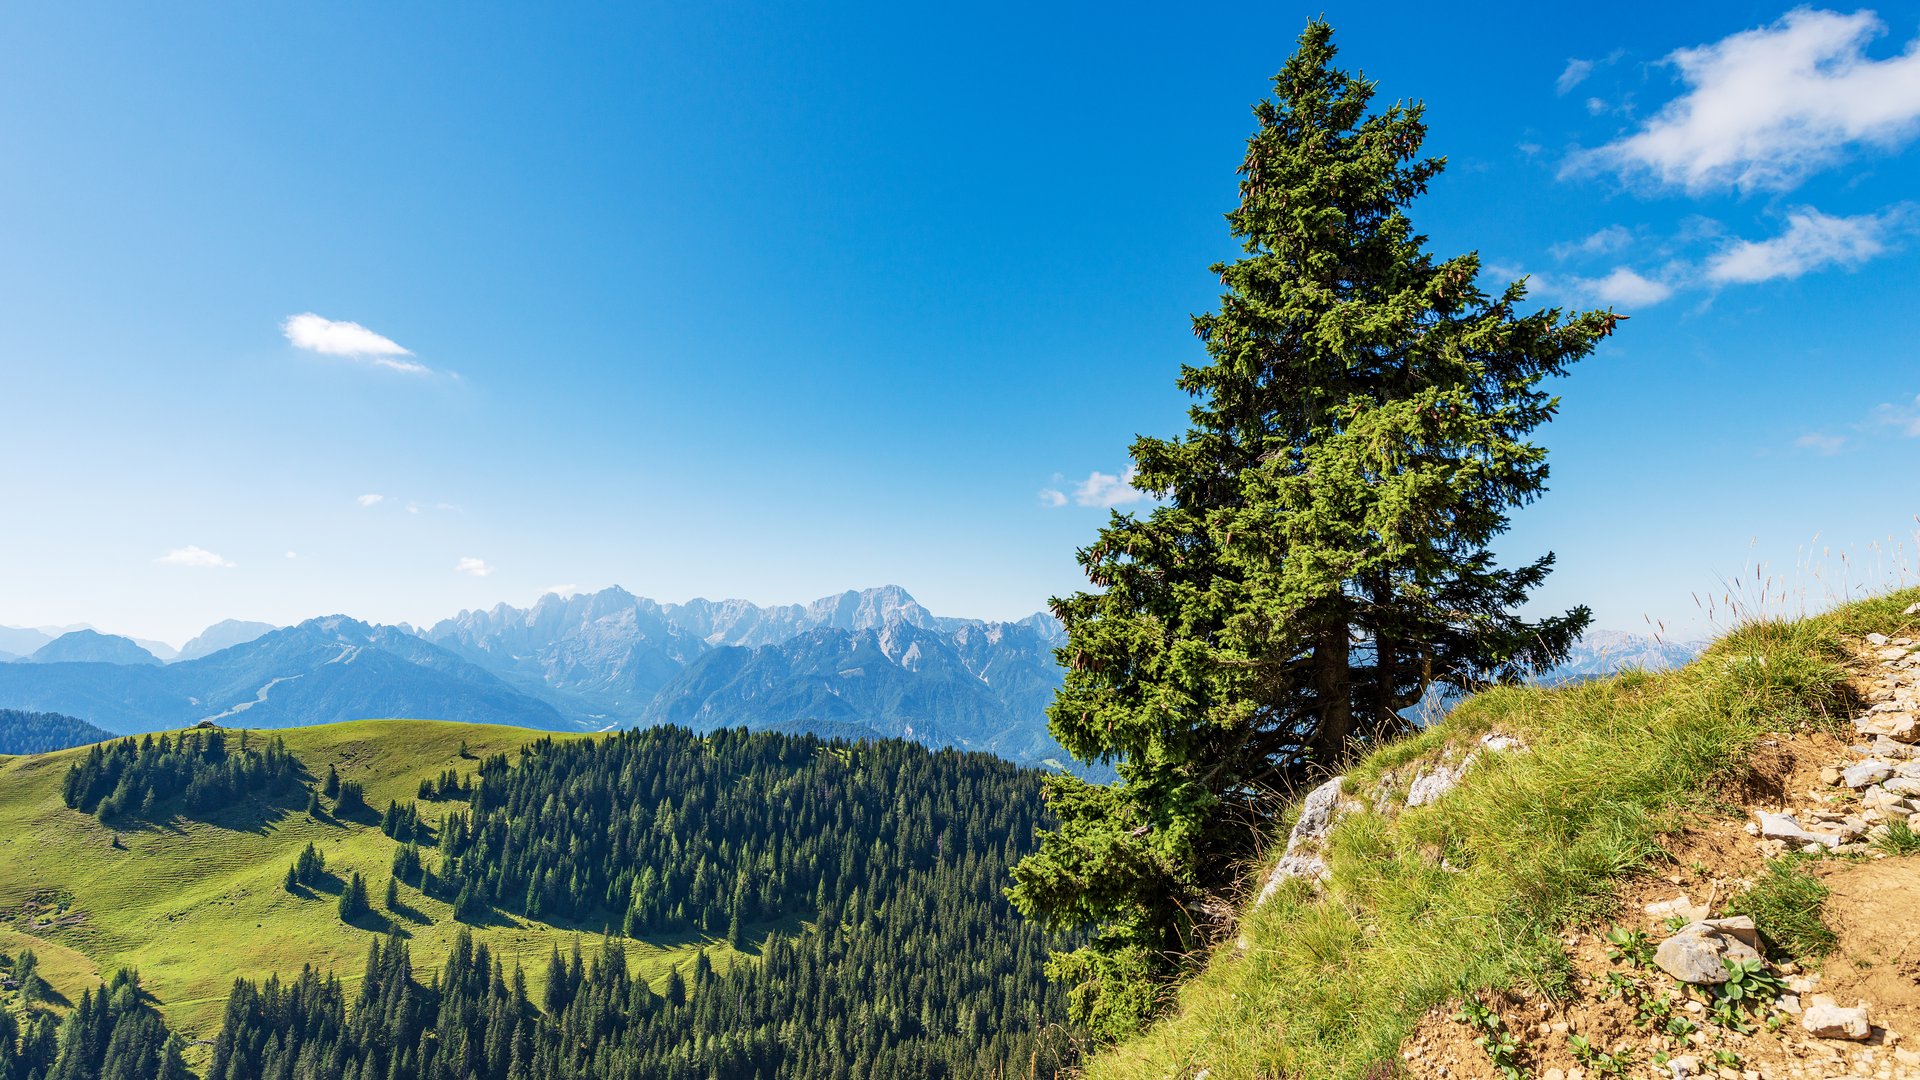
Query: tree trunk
[1332, 689]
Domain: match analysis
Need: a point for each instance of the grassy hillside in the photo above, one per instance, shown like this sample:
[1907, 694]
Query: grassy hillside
[1476, 890]
[195, 904]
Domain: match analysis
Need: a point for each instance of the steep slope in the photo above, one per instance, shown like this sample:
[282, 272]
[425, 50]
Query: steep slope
[91, 647]
[1504, 852]
[223, 635]
[323, 670]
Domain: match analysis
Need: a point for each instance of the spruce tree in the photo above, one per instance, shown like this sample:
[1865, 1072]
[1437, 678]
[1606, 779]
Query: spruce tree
[353, 898]
[1318, 553]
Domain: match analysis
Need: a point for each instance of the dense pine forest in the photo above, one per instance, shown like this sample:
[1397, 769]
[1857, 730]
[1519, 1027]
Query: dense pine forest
[861, 884]
[39, 732]
[113, 1033]
[135, 776]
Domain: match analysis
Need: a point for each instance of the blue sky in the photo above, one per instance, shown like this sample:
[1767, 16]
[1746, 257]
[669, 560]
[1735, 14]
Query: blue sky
[769, 302]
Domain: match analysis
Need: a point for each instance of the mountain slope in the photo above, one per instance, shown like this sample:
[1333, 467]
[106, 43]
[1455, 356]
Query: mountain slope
[91, 647]
[323, 670]
[897, 680]
[223, 635]
[1546, 817]
[611, 657]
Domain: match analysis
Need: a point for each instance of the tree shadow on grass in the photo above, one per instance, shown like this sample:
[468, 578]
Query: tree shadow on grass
[374, 922]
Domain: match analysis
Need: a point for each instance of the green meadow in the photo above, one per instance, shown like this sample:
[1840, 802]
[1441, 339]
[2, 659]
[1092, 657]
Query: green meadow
[195, 904]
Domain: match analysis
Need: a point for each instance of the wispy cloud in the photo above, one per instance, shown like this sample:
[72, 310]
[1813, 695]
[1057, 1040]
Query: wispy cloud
[1573, 75]
[560, 590]
[1621, 287]
[332, 337]
[1766, 108]
[1812, 241]
[1822, 443]
[473, 567]
[1098, 489]
[194, 556]
[1603, 242]
[371, 499]
[1902, 419]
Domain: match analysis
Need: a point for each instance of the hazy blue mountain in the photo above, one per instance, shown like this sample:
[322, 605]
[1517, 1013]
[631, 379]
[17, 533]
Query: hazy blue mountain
[897, 680]
[1605, 652]
[612, 657]
[38, 733]
[320, 671]
[161, 651]
[223, 635]
[601, 656]
[22, 641]
[91, 646]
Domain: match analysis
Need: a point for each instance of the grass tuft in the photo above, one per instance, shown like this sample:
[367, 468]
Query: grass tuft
[1900, 838]
[1785, 904]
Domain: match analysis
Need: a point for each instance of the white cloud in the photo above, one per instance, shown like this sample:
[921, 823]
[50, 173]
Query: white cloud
[1052, 497]
[293, 554]
[194, 556]
[330, 337]
[560, 590]
[370, 499]
[1603, 242]
[1821, 443]
[1576, 73]
[1621, 287]
[1812, 241]
[472, 567]
[1765, 108]
[1102, 489]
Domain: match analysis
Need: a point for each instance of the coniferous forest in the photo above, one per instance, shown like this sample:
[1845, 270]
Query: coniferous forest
[863, 884]
[135, 776]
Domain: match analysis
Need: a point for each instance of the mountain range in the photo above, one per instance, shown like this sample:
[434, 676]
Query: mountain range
[860, 664]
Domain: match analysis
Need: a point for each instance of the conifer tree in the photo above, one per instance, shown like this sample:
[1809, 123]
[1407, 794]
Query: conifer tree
[1318, 555]
[353, 898]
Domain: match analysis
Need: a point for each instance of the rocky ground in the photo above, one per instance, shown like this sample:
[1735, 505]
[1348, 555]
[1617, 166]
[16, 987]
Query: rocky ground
[1647, 995]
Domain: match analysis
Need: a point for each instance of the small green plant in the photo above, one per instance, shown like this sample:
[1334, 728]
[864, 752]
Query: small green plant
[1501, 1045]
[1679, 1027]
[1749, 988]
[1624, 986]
[1900, 838]
[1674, 923]
[1614, 1064]
[1629, 947]
[1784, 902]
[1654, 1012]
[1726, 1059]
[1750, 983]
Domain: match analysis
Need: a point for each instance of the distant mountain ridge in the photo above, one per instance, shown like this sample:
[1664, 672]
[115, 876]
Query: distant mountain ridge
[91, 646]
[862, 662]
[321, 671]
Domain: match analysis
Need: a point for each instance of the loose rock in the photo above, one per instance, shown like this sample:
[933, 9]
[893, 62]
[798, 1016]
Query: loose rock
[1825, 1018]
[1866, 773]
[1695, 952]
